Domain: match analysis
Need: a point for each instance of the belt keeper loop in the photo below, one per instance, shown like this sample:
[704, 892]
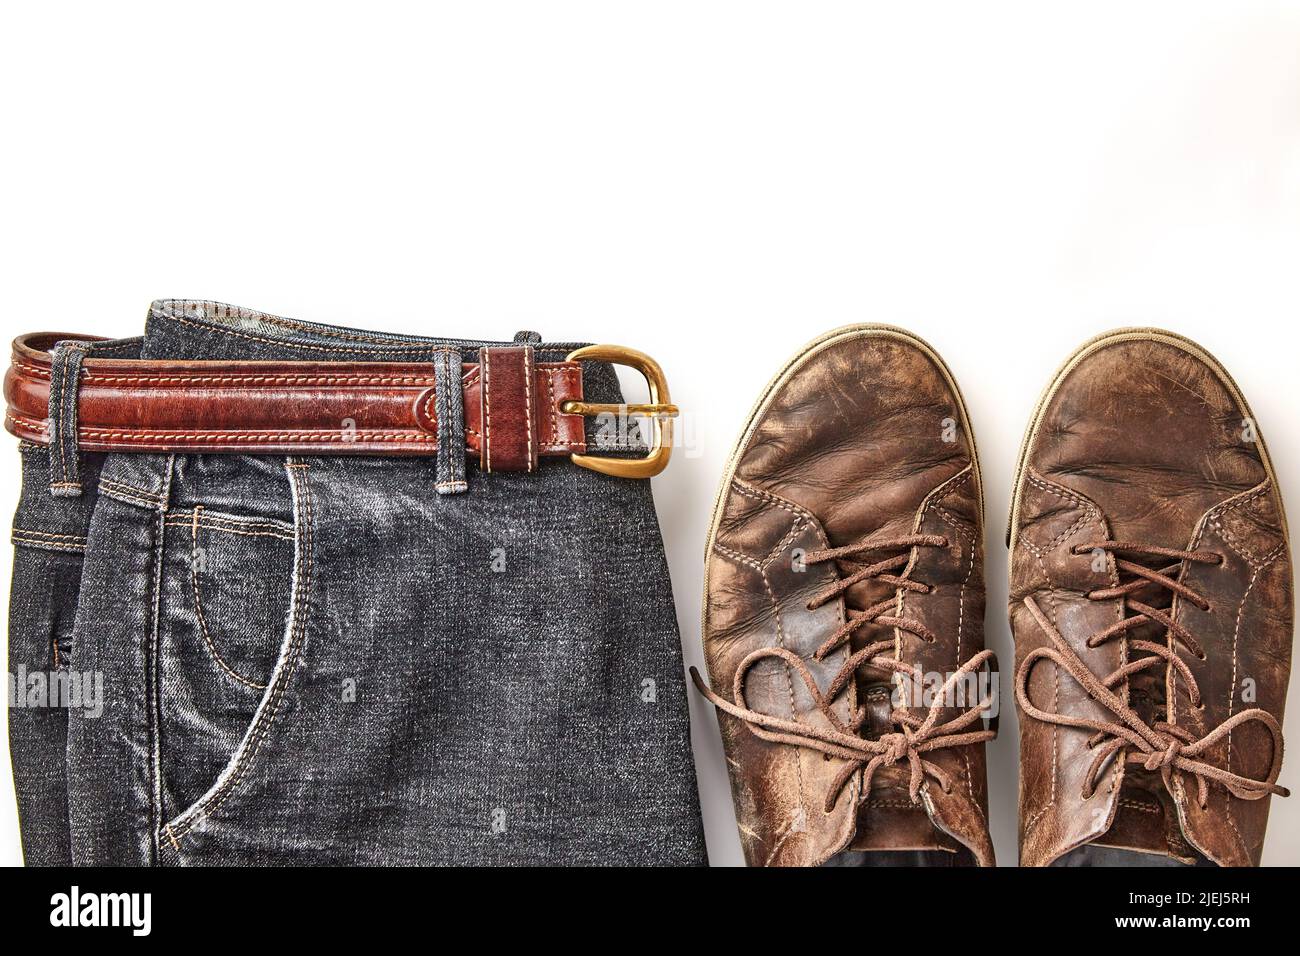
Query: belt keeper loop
[510, 408]
[449, 396]
[65, 384]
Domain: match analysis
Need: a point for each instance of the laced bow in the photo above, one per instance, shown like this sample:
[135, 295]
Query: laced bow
[915, 735]
[1163, 746]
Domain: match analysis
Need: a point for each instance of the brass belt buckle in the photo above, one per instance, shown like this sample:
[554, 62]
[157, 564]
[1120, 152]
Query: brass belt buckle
[660, 410]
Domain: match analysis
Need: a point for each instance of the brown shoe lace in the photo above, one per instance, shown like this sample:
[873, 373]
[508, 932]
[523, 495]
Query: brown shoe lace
[915, 735]
[1163, 746]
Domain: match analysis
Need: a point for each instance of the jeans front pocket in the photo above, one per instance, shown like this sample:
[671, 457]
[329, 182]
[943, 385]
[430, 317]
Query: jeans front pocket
[229, 634]
[238, 570]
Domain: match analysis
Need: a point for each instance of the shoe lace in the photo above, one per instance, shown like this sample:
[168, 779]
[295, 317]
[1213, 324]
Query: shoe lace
[914, 735]
[1163, 745]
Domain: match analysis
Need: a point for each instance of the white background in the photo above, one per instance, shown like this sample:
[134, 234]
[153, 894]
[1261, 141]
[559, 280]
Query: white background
[714, 183]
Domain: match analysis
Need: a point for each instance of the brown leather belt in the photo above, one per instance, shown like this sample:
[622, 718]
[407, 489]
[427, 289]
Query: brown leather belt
[516, 410]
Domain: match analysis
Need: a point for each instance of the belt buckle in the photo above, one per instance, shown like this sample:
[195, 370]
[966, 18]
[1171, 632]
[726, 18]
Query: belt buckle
[660, 410]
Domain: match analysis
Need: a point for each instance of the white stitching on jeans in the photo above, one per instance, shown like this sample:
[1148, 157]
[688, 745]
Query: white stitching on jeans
[244, 757]
[204, 632]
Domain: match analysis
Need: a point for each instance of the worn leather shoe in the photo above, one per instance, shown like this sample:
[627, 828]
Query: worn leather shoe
[844, 613]
[1151, 603]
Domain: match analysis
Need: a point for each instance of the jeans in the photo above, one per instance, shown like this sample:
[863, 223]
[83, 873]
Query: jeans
[321, 660]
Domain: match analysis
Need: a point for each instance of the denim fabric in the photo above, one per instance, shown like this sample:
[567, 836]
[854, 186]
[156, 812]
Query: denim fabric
[65, 463]
[323, 660]
[451, 423]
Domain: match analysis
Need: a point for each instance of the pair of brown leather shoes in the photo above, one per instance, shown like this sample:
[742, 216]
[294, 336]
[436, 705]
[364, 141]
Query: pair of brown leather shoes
[1150, 603]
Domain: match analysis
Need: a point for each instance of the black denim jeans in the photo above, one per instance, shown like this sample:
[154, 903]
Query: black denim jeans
[323, 660]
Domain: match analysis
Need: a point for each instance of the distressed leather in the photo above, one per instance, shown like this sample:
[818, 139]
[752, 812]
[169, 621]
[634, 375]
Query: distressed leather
[1143, 438]
[848, 444]
[288, 407]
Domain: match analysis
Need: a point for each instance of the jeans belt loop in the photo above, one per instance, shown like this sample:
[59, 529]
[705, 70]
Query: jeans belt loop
[65, 382]
[450, 397]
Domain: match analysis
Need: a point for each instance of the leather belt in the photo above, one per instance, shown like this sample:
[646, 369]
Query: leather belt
[516, 410]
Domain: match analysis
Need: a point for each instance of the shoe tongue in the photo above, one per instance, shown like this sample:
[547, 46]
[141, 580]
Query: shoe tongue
[889, 820]
[875, 697]
[1145, 818]
[1146, 821]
